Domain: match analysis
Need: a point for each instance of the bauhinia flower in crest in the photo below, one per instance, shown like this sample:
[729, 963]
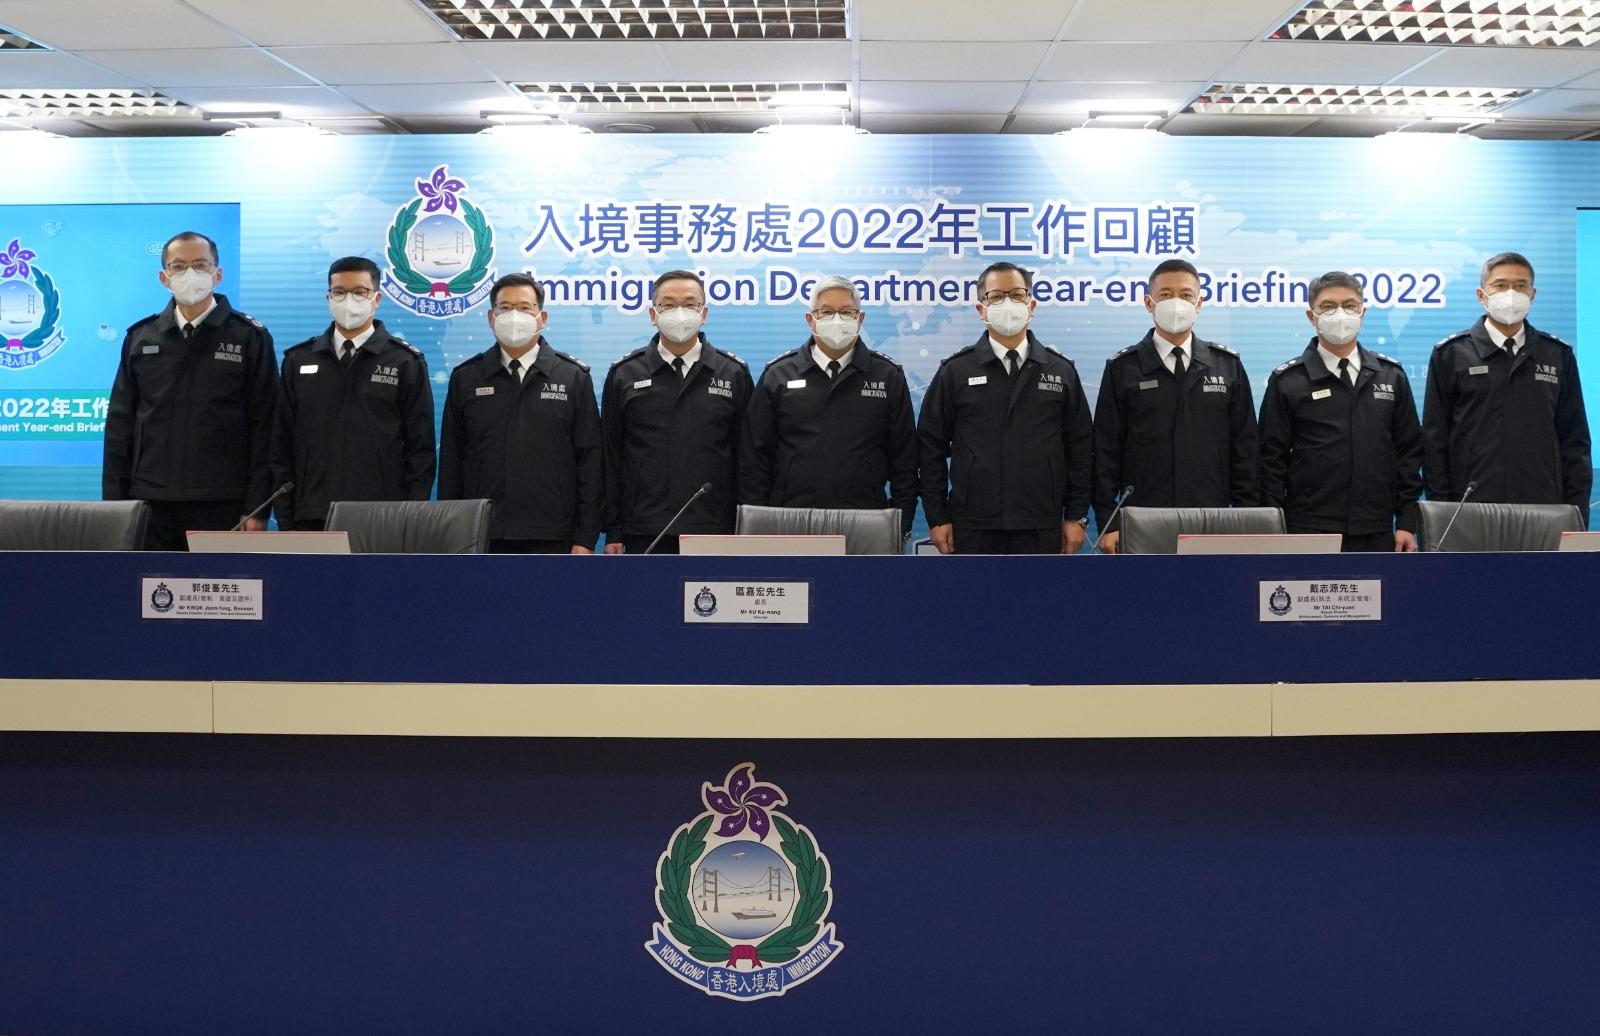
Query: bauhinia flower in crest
[742, 802]
[14, 260]
[440, 190]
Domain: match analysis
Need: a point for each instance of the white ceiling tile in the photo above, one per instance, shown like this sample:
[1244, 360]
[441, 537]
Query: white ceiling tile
[114, 24]
[465, 99]
[1081, 98]
[937, 61]
[1336, 64]
[583, 61]
[385, 63]
[787, 60]
[276, 23]
[295, 102]
[1558, 104]
[959, 20]
[1133, 20]
[1503, 66]
[881, 96]
[27, 69]
[232, 66]
[892, 123]
[1108, 62]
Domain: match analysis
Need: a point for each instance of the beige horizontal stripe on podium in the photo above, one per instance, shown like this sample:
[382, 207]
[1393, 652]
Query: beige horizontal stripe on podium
[800, 711]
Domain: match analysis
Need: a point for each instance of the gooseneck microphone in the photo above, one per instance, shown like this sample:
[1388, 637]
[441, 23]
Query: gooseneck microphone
[1454, 515]
[1122, 498]
[266, 504]
[705, 487]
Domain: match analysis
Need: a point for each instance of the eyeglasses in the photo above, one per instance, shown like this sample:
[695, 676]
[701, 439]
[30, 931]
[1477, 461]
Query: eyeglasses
[340, 294]
[848, 314]
[1352, 307]
[203, 266]
[532, 311]
[991, 298]
[1502, 285]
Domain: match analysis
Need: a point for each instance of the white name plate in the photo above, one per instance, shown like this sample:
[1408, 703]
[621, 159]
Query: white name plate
[167, 598]
[1322, 600]
[747, 602]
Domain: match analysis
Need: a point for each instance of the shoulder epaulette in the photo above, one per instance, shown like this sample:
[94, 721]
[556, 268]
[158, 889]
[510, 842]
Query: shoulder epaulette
[1455, 337]
[401, 341]
[1053, 350]
[625, 357]
[571, 359]
[1388, 359]
[886, 357]
[146, 320]
[1556, 340]
[1219, 347]
[959, 352]
[782, 356]
[251, 319]
[1280, 368]
[735, 357]
[1125, 350]
[308, 343]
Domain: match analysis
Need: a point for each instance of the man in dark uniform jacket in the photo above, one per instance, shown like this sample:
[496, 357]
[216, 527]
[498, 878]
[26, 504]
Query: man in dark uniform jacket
[1011, 413]
[1504, 407]
[355, 420]
[521, 428]
[190, 423]
[1341, 446]
[673, 414]
[1175, 419]
[830, 423]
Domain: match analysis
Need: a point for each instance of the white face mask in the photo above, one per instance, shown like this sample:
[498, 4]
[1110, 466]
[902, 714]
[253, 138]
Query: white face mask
[351, 313]
[1007, 317]
[1507, 307]
[1338, 327]
[837, 332]
[679, 324]
[1175, 316]
[191, 287]
[515, 329]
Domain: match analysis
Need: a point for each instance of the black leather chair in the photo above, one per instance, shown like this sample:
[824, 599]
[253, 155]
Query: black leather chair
[413, 526]
[864, 531]
[73, 524]
[1155, 530]
[1497, 527]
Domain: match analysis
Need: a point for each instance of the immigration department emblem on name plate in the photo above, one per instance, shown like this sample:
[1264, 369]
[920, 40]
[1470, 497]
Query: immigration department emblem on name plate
[744, 896]
[705, 603]
[1279, 601]
[439, 249]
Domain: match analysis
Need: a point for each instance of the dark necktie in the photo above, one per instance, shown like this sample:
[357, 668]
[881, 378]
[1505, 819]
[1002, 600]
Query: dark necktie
[348, 355]
[1344, 372]
[833, 368]
[677, 366]
[515, 367]
[1177, 364]
[188, 333]
[1511, 347]
[1012, 365]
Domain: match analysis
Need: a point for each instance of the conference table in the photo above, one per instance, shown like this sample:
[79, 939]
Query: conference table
[1098, 794]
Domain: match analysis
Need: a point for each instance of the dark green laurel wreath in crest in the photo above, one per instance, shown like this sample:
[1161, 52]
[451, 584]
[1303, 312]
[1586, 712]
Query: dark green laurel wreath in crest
[52, 311]
[811, 886]
[461, 283]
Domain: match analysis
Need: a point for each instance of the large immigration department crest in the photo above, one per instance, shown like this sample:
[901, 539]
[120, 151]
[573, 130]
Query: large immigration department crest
[30, 309]
[744, 896]
[439, 250]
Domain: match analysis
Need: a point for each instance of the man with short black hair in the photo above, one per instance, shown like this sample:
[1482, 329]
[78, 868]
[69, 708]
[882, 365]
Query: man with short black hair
[1504, 407]
[190, 424]
[521, 428]
[1011, 414]
[355, 419]
[1341, 447]
[673, 414]
[1176, 419]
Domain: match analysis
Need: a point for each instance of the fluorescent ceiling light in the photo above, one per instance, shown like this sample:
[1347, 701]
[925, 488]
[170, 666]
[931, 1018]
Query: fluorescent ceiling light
[91, 104]
[287, 131]
[1447, 23]
[543, 130]
[641, 19]
[798, 131]
[1417, 102]
[668, 98]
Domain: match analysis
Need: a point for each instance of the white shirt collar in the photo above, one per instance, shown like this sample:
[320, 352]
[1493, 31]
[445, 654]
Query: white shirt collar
[822, 359]
[1000, 351]
[211, 303]
[1331, 360]
[527, 358]
[1164, 349]
[339, 338]
[690, 358]
[1500, 340]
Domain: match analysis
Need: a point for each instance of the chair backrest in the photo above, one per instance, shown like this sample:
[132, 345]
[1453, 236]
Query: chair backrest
[864, 531]
[413, 526]
[73, 524]
[1493, 527]
[1155, 530]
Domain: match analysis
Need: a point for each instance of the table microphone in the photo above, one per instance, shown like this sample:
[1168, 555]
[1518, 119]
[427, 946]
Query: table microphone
[705, 487]
[1122, 498]
[269, 502]
[1454, 515]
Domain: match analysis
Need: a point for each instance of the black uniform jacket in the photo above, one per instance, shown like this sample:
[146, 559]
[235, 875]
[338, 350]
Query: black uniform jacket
[1004, 454]
[1179, 445]
[667, 436]
[1337, 458]
[1514, 425]
[365, 433]
[192, 420]
[534, 448]
[812, 441]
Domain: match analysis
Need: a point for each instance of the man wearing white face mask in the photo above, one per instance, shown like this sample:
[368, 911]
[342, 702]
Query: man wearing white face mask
[673, 413]
[521, 428]
[190, 424]
[830, 423]
[1007, 442]
[355, 419]
[1504, 407]
[1176, 419]
[1341, 447]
